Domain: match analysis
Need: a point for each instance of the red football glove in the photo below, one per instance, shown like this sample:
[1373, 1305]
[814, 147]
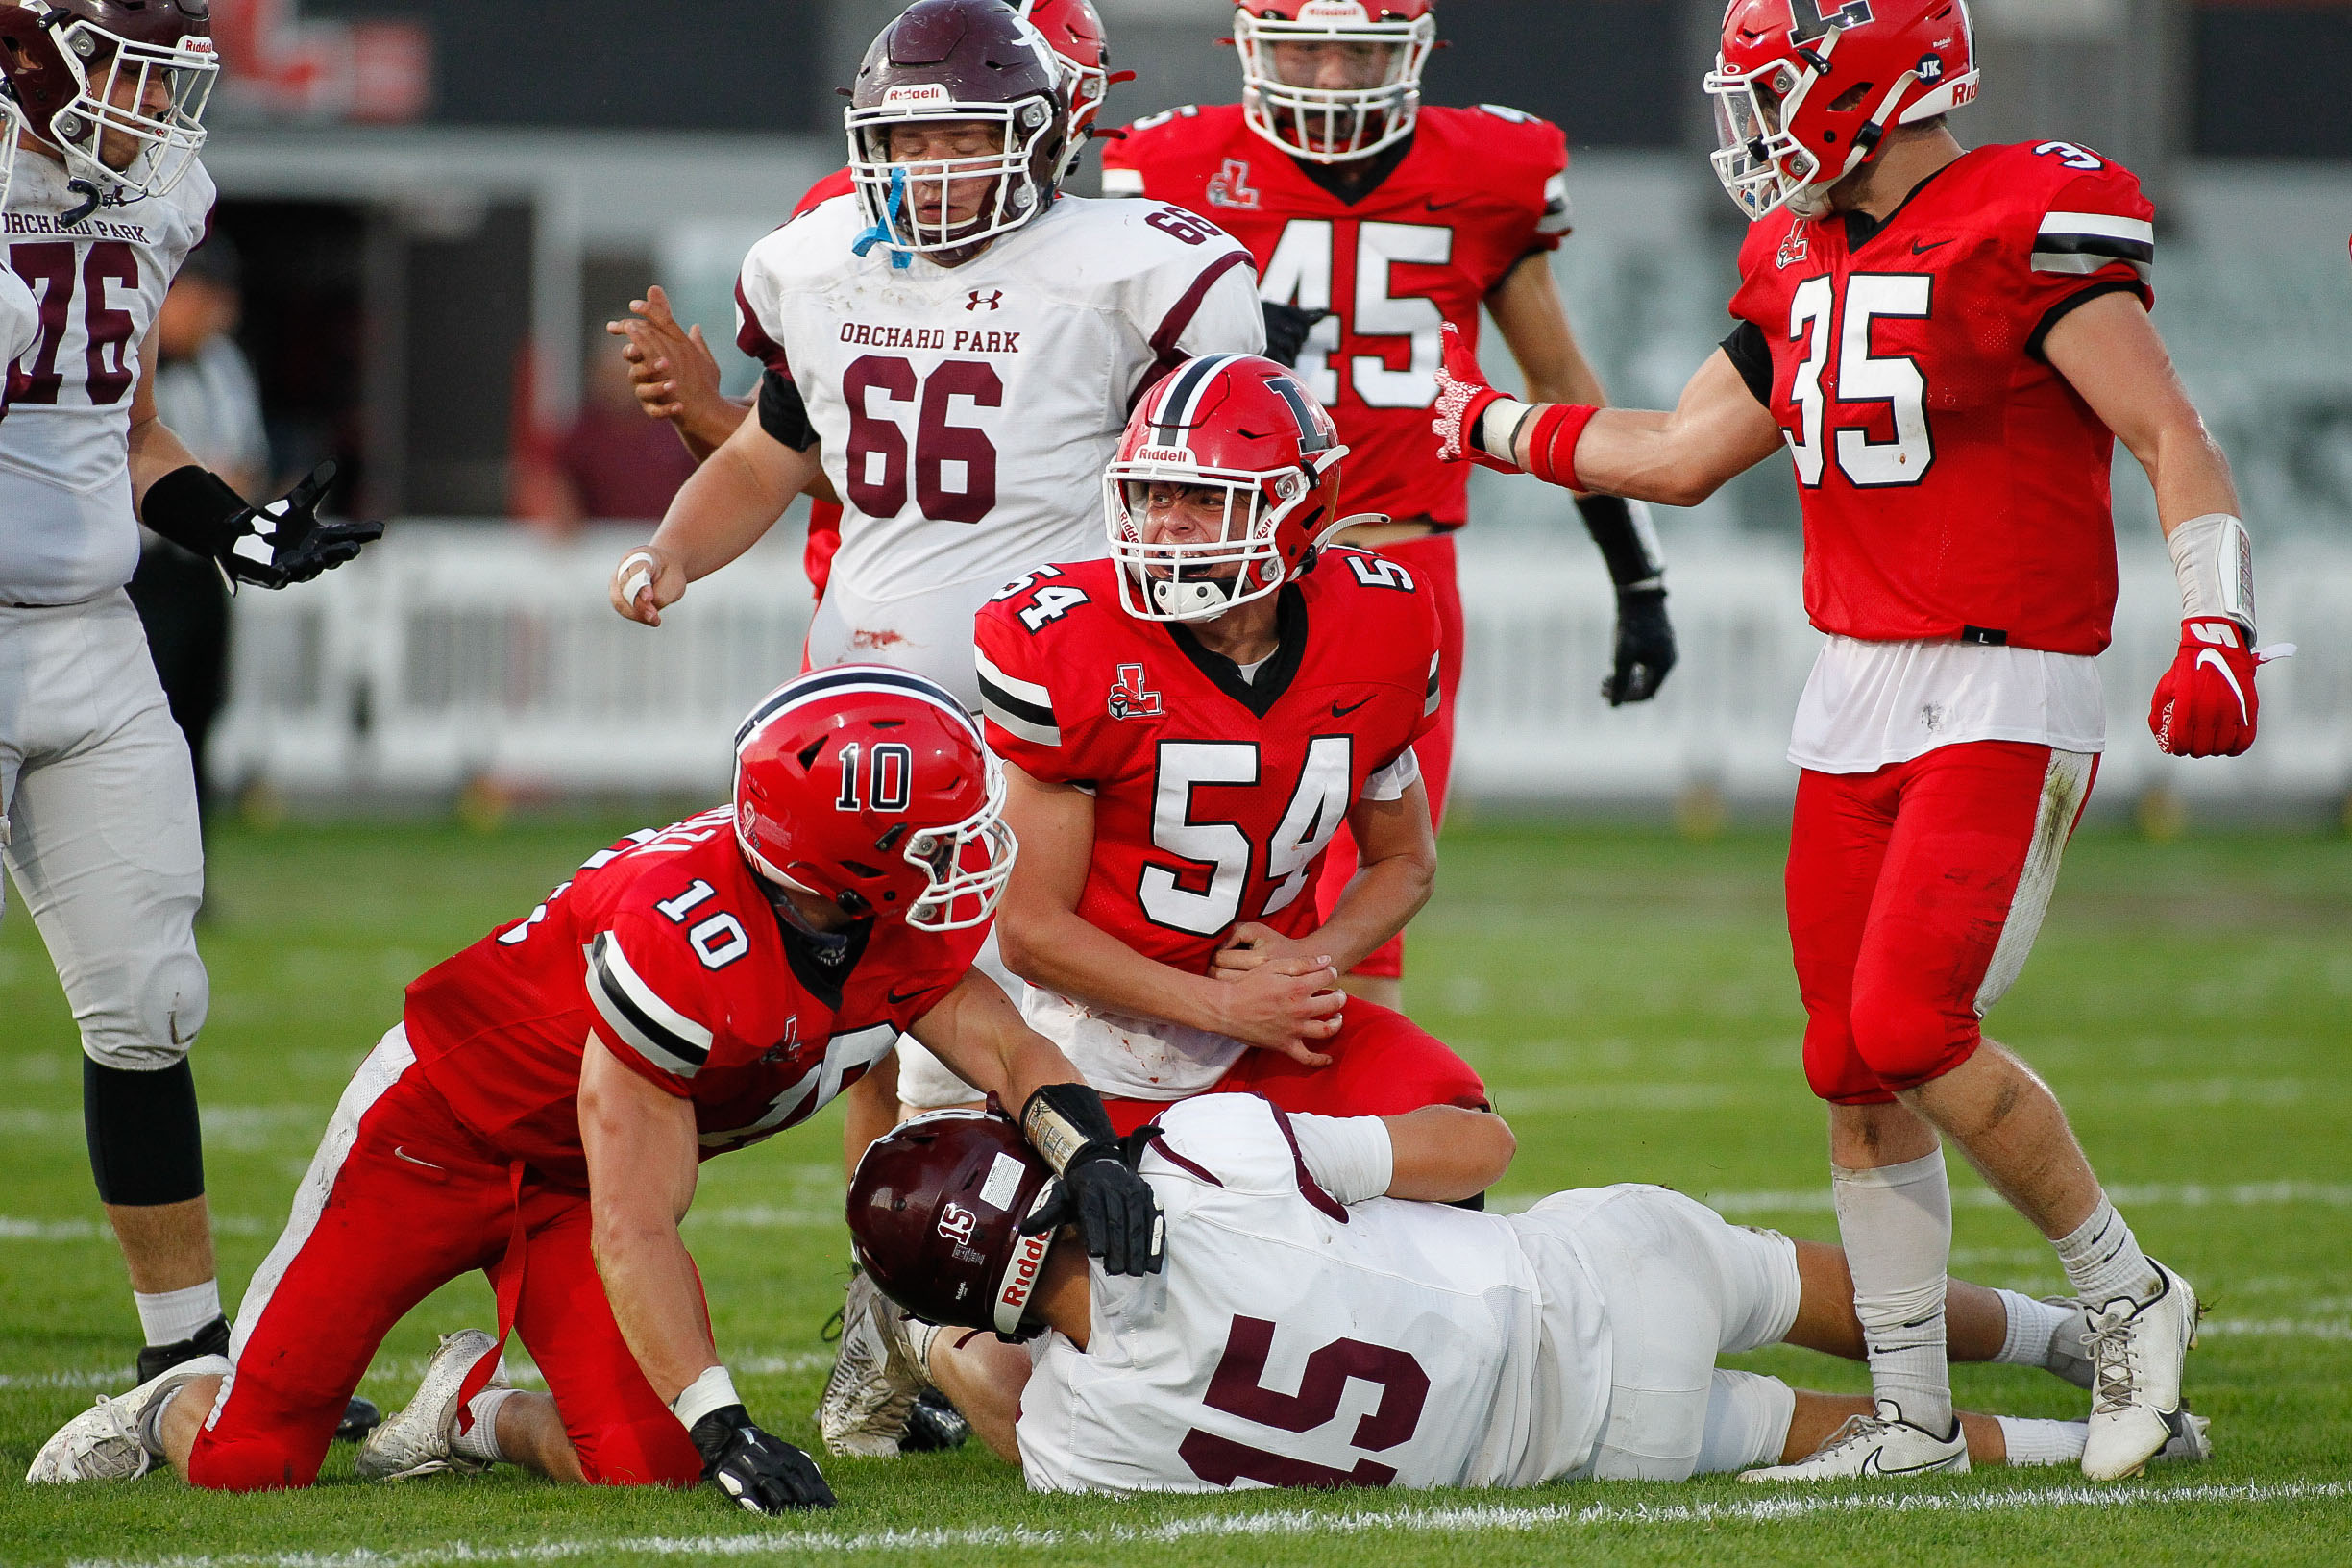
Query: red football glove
[1464, 398]
[2205, 705]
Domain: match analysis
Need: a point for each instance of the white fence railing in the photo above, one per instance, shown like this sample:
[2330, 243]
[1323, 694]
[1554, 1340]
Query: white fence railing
[455, 653]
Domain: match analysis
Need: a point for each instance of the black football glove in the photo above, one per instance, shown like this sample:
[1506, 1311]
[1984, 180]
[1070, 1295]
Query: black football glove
[196, 509]
[766, 1475]
[1286, 326]
[1645, 646]
[1099, 1191]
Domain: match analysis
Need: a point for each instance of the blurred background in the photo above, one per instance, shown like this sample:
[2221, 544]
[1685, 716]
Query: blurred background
[431, 207]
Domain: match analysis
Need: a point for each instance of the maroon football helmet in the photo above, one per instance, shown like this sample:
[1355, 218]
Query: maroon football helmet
[1245, 426]
[139, 71]
[957, 62]
[871, 787]
[934, 1212]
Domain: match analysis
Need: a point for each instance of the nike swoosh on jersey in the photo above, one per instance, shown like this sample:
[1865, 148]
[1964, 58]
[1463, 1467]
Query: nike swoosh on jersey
[1339, 712]
[896, 999]
[1917, 249]
[400, 1153]
[2209, 656]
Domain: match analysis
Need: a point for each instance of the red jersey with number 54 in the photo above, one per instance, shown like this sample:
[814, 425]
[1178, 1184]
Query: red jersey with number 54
[1476, 192]
[666, 950]
[1215, 793]
[1953, 484]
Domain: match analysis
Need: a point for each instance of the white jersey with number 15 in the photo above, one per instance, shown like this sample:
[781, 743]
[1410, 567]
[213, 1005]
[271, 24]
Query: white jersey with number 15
[966, 413]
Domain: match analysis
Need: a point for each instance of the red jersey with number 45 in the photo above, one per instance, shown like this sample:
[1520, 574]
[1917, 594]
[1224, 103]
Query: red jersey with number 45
[1216, 795]
[1476, 192]
[1953, 484]
[665, 949]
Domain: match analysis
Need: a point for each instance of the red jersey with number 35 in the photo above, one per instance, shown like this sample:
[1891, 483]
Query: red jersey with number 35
[1215, 795]
[1477, 191]
[665, 949]
[1954, 485]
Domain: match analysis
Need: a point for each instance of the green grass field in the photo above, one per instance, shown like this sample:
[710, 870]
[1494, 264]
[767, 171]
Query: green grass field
[1629, 994]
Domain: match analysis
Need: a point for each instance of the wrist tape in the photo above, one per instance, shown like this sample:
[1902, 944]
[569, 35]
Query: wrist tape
[713, 1390]
[2213, 559]
[1061, 1119]
[1498, 431]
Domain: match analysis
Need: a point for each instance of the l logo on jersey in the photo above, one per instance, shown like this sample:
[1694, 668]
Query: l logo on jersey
[1130, 699]
[1229, 186]
[993, 300]
[1795, 246]
[783, 1050]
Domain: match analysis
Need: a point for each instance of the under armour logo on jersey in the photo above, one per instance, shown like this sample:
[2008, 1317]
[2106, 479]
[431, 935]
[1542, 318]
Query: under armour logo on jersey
[1130, 699]
[957, 1223]
[1793, 247]
[993, 300]
[1230, 186]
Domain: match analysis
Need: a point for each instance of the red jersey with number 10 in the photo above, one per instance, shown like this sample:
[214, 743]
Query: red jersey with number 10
[666, 950]
[1953, 484]
[1477, 191]
[1215, 795]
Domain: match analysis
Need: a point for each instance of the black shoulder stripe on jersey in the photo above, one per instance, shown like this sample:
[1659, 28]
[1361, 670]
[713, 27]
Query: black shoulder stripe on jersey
[615, 1002]
[2107, 245]
[996, 698]
[1751, 357]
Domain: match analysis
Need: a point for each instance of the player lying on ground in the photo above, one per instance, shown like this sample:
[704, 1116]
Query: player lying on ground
[1374, 219]
[540, 1111]
[104, 109]
[1948, 343]
[1310, 1330]
[1186, 725]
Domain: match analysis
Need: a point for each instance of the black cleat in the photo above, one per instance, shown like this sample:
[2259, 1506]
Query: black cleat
[360, 1416]
[212, 1339]
[934, 1426]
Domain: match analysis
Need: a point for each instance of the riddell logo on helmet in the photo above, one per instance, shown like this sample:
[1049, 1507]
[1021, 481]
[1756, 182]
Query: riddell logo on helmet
[1162, 454]
[1334, 11]
[919, 92]
[1021, 1279]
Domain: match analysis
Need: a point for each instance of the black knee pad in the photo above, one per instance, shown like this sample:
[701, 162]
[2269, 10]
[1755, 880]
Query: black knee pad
[146, 1145]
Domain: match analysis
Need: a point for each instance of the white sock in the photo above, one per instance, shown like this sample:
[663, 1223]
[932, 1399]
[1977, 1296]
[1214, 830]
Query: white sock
[920, 1338]
[169, 1316]
[481, 1442]
[2032, 1326]
[2044, 1442]
[1897, 1224]
[151, 1425]
[2103, 1259]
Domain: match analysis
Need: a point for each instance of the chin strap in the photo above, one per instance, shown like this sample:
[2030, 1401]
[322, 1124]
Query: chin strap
[881, 233]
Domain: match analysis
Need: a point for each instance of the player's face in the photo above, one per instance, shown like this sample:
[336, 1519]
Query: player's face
[1335, 65]
[952, 202]
[145, 93]
[1197, 515]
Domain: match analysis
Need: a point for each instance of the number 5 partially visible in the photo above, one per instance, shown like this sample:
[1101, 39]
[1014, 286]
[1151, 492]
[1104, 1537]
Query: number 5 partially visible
[1235, 1389]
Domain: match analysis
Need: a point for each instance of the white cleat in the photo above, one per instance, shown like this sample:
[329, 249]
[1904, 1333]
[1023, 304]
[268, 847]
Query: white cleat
[2069, 1349]
[2137, 1348]
[415, 1441]
[874, 1381]
[1876, 1446]
[106, 1442]
[2191, 1442]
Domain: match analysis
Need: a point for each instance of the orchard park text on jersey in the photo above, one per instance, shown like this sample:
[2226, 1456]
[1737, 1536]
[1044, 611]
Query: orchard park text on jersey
[954, 340]
[46, 223]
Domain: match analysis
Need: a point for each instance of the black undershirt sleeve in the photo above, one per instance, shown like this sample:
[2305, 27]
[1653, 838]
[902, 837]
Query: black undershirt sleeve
[782, 414]
[2072, 303]
[1751, 357]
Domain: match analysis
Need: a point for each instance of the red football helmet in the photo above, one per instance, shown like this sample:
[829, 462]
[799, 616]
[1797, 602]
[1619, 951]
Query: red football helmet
[137, 73]
[1805, 89]
[1360, 61]
[935, 1211]
[871, 787]
[1075, 34]
[953, 62]
[1246, 426]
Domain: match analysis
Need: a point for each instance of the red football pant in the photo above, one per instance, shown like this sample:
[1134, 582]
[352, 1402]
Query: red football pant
[1914, 894]
[1383, 1065]
[400, 1200]
[1432, 562]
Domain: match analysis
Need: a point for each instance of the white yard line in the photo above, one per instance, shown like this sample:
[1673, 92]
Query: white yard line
[1467, 1520]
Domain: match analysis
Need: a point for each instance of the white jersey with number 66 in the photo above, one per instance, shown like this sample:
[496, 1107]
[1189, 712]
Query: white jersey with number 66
[966, 413]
